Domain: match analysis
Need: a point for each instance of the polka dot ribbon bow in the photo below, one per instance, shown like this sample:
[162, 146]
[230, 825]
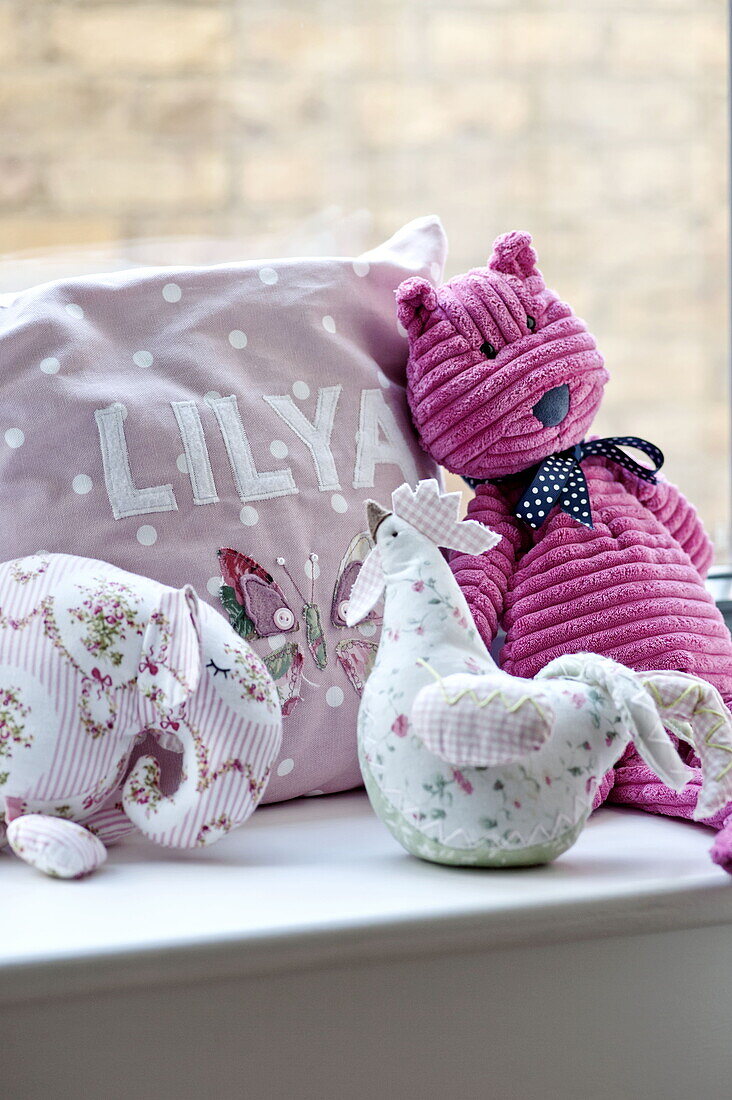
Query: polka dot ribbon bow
[559, 479]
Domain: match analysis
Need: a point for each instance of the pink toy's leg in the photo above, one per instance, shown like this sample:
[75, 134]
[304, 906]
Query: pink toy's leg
[637, 786]
[484, 580]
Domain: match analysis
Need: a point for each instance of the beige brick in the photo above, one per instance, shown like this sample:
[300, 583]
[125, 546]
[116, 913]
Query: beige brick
[19, 180]
[398, 113]
[143, 39]
[286, 175]
[138, 180]
[293, 102]
[46, 112]
[21, 232]
[298, 41]
[617, 109]
[694, 42]
[10, 18]
[188, 108]
[500, 41]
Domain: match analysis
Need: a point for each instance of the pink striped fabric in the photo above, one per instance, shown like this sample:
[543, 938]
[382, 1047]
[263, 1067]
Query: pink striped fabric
[59, 848]
[93, 659]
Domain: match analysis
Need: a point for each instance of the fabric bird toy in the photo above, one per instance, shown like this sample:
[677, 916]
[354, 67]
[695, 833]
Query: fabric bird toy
[598, 553]
[469, 765]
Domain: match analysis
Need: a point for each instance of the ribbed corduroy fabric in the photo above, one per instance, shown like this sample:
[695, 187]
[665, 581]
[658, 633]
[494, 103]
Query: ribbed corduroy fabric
[484, 349]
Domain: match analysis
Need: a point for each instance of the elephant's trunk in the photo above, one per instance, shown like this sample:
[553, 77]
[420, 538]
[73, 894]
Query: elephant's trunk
[221, 782]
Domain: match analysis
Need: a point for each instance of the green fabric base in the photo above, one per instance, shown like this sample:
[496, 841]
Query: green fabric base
[485, 855]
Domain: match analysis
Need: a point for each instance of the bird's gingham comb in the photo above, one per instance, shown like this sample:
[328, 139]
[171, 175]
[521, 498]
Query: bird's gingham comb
[437, 515]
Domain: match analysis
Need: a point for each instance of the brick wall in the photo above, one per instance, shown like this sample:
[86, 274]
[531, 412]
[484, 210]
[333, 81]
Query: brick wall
[598, 124]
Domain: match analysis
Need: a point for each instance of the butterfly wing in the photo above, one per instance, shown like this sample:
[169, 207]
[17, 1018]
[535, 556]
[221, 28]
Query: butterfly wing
[234, 565]
[354, 557]
[257, 593]
[238, 617]
[315, 636]
[356, 657]
[285, 668]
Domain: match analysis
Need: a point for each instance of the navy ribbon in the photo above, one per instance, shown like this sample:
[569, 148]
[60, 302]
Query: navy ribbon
[560, 480]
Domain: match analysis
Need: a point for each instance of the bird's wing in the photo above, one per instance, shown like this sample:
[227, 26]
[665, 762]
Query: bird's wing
[482, 721]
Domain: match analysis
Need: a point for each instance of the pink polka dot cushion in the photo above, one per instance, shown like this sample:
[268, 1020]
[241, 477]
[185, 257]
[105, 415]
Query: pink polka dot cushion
[222, 427]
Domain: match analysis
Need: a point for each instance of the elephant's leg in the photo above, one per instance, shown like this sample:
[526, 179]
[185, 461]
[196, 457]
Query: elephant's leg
[60, 848]
[110, 823]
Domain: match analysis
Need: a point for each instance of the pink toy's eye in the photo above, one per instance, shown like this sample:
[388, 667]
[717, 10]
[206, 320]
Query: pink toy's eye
[530, 323]
[488, 350]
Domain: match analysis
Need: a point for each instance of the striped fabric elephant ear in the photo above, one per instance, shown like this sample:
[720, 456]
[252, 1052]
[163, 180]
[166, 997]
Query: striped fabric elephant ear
[170, 663]
[437, 515]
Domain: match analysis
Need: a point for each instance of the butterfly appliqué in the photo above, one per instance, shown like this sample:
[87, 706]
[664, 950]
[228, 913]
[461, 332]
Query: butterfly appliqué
[258, 608]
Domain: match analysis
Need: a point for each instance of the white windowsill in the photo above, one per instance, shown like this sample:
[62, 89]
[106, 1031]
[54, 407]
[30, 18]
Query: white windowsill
[320, 881]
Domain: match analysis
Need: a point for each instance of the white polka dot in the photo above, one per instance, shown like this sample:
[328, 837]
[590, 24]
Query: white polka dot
[50, 365]
[275, 641]
[278, 449]
[82, 484]
[338, 503]
[312, 569]
[540, 513]
[74, 310]
[172, 292]
[142, 359]
[213, 584]
[361, 267]
[249, 516]
[14, 437]
[212, 395]
[383, 380]
[301, 390]
[367, 629]
[312, 794]
[534, 490]
[182, 464]
[285, 766]
[268, 275]
[328, 323]
[147, 535]
[237, 338]
[334, 696]
[401, 329]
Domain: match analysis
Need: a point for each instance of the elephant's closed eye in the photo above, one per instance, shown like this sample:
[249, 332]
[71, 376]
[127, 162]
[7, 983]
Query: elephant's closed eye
[216, 670]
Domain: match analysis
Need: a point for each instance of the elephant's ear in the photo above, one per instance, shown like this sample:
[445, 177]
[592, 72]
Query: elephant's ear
[171, 659]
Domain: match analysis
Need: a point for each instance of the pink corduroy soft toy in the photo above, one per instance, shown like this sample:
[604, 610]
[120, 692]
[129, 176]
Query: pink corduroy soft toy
[597, 553]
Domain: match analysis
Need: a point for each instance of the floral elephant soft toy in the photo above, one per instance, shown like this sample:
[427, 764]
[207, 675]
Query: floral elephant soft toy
[597, 552]
[93, 660]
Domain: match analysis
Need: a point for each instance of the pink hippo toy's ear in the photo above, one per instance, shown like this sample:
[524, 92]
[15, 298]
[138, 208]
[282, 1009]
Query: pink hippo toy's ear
[416, 300]
[513, 254]
[171, 659]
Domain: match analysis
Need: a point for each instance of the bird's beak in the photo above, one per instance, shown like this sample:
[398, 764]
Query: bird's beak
[375, 514]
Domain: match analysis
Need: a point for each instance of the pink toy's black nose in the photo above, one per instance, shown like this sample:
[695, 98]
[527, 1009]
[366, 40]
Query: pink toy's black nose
[553, 406]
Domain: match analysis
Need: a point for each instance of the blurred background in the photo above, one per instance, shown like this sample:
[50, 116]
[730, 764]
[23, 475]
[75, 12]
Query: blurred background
[169, 131]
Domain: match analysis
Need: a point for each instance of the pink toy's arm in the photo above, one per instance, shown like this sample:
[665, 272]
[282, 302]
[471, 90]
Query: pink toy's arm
[484, 580]
[679, 517]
